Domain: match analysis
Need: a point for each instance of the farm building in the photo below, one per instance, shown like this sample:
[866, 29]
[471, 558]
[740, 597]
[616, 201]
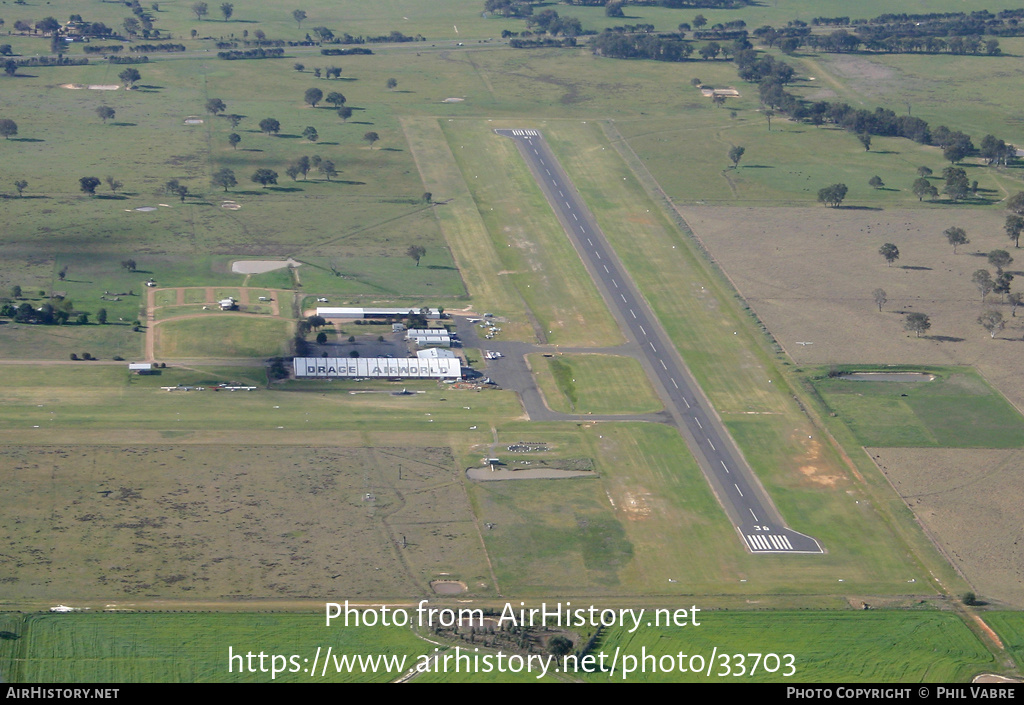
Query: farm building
[362, 312]
[387, 367]
[142, 368]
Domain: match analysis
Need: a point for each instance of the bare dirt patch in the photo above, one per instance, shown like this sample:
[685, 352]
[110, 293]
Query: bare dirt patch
[944, 486]
[863, 75]
[809, 464]
[257, 266]
[487, 475]
[91, 87]
[809, 274]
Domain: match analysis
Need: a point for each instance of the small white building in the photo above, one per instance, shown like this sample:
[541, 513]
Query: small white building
[228, 304]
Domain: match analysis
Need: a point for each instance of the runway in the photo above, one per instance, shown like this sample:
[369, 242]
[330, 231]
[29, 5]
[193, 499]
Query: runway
[757, 521]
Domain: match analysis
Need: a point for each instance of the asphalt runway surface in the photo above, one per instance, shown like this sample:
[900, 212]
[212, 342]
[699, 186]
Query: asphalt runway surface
[747, 504]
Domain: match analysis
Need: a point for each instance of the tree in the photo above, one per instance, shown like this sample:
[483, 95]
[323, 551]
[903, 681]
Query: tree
[129, 77]
[88, 184]
[233, 140]
[613, 8]
[699, 21]
[299, 16]
[416, 252]
[890, 252]
[327, 169]
[922, 187]
[303, 165]
[768, 115]
[227, 9]
[234, 120]
[335, 98]
[559, 646]
[270, 126]
[200, 10]
[299, 67]
[10, 67]
[311, 134]
[956, 237]
[832, 195]
[371, 137]
[105, 112]
[215, 106]
[224, 178]
[880, 298]
[876, 182]
[1014, 227]
[314, 96]
[62, 273]
[265, 177]
[1015, 299]
[21, 185]
[293, 172]
[957, 186]
[344, 112]
[917, 322]
[983, 280]
[321, 338]
[924, 172]
[113, 183]
[865, 139]
[15, 292]
[992, 321]
[316, 321]
[735, 154]
[101, 316]
[1002, 284]
[1000, 259]
[8, 128]
[427, 197]
[392, 84]
[128, 264]
[332, 71]
[1015, 203]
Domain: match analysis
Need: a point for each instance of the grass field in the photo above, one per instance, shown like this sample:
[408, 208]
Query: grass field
[595, 384]
[958, 409]
[866, 647]
[228, 336]
[229, 521]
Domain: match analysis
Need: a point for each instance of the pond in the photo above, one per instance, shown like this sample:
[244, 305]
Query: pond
[888, 376]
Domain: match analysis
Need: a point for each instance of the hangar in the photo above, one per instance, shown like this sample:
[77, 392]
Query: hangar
[387, 367]
[362, 312]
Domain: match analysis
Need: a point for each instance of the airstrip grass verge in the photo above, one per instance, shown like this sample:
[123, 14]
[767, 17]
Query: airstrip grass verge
[594, 384]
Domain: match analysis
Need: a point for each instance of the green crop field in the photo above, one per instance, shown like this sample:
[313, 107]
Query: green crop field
[1010, 628]
[957, 409]
[195, 648]
[867, 647]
